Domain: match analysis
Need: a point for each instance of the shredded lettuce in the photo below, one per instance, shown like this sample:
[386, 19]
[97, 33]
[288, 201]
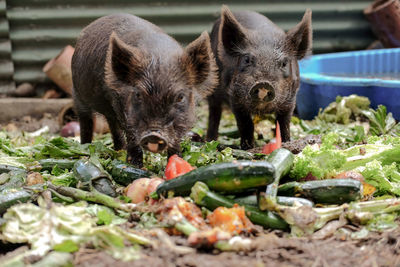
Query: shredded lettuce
[205, 154]
[378, 162]
[319, 161]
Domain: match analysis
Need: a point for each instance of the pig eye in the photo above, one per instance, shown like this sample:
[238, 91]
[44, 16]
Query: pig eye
[285, 68]
[245, 61]
[284, 63]
[180, 98]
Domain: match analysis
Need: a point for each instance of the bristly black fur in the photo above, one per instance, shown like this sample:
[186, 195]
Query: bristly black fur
[141, 80]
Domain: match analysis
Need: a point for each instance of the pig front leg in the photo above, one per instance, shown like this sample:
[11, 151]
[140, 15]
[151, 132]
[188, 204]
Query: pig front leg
[214, 117]
[116, 132]
[134, 152]
[245, 126]
[85, 116]
[284, 123]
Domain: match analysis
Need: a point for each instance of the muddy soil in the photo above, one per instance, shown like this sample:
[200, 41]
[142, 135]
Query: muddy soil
[379, 249]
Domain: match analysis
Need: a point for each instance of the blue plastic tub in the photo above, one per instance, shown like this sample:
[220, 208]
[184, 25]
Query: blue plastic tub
[371, 73]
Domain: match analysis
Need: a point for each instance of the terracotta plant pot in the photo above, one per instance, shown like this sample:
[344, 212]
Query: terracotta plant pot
[58, 69]
[384, 16]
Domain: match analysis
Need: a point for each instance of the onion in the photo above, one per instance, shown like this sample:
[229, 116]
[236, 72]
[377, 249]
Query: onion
[137, 190]
[70, 129]
[154, 182]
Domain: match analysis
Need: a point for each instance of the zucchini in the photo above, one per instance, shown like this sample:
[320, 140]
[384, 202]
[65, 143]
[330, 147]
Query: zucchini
[124, 173]
[282, 160]
[90, 176]
[13, 196]
[229, 177]
[232, 132]
[330, 191]
[287, 201]
[7, 168]
[202, 196]
[4, 177]
[242, 154]
[16, 179]
[48, 164]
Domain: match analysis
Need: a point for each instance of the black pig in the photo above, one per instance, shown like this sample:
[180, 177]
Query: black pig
[258, 70]
[141, 80]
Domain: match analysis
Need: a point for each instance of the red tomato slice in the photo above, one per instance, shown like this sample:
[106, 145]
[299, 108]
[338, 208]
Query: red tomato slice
[176, 166]
[271, 146]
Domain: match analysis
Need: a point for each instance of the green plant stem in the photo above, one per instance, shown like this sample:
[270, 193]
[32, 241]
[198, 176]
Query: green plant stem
[311, 219]
[93, 196]
[185, 227]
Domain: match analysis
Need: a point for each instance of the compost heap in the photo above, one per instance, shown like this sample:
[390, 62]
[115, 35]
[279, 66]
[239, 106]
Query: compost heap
[58, 195]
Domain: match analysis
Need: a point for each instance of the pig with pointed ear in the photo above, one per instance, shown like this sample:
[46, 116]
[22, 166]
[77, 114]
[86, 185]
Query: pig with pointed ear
[142, 81]
[258, 70]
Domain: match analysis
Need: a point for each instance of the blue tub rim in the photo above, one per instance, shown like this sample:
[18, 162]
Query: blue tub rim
[325, 79]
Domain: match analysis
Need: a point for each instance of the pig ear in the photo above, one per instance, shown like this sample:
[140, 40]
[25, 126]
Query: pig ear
[199, 63]
[232, 35]
[299, 39]
[124, 63]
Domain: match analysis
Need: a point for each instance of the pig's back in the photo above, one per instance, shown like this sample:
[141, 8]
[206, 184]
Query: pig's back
[132, 30]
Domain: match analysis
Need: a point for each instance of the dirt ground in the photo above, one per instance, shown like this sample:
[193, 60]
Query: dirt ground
[268, 249]
[31, 124]
[271, 249]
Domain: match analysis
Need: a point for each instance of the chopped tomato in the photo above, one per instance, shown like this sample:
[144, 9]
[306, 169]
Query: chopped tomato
[177, 208]
[232, 220]
[176, 166]
[271, 146]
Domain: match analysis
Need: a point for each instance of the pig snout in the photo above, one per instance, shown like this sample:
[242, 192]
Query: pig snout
[262, 91]
[154, 142]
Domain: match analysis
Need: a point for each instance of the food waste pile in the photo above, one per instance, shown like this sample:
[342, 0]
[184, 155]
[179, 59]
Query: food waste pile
[340, 169]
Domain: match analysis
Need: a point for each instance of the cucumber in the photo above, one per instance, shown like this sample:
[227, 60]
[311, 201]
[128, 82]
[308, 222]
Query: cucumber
[287, 201]
[48, 164]
[330, 191]
[124, 174]
[202, 196]
[229, 177]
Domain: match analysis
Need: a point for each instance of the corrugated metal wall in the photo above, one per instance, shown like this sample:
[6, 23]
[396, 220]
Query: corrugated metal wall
[39, 29]
[6, 66]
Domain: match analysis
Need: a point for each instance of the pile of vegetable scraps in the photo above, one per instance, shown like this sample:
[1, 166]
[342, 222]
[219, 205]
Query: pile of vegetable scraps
[59, 196]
